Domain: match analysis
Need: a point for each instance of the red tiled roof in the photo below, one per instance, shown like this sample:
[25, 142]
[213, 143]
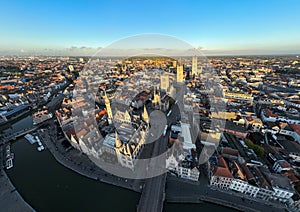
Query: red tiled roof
[284, 164]
[222, 172]
[249, 118]
[269, 113]
[102, 112]
[246, 170]
[296, 101]
[291, 176]
[230, 151]
[295, 127]
[222, 162]
[81, 133]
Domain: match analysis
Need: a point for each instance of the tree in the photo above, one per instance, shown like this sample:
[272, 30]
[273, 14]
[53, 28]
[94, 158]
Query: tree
[259, 151]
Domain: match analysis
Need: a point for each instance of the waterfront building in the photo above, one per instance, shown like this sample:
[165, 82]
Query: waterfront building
[182, 161]
[73, 141]
[182, 170]
[255, 181]
[282, 188]
[243, 186]
[129, 148]
[128, 152]
[221, 176]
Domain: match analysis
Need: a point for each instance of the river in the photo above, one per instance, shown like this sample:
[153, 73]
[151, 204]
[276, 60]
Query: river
[48, 186]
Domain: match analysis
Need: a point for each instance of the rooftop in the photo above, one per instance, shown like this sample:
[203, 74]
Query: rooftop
[295, 127]
[278, 181]
[222, 172]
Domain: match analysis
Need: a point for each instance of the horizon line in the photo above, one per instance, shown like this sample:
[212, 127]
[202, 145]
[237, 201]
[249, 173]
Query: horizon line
[119, 56]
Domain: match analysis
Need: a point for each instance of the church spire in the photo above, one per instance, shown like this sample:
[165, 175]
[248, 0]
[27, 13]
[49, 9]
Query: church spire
[108, 108]
[156, 99]
[118, 140]
[129, 149]
[179, 73]
[145, 115]
[127, 116]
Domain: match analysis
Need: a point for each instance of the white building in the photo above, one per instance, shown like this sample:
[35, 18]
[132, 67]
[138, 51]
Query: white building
[244, 187]
[281, 165]
[184, 172]
[221, 181]
[268, 116]
[221, 176]
[254, 122]
[269, 186]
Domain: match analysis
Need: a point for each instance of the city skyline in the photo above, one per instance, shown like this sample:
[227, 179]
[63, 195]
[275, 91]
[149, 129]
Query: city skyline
[217, 28]
[149, 106]
[226, 132]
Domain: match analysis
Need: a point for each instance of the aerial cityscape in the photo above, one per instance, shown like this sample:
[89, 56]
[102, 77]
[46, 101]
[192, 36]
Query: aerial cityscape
[149, 121]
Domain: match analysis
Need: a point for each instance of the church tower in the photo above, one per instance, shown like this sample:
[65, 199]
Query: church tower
[118, 142]
[145, 115]
[194, 66]
[179, 73]
[156, 99]
[124, 68]
[108, 108]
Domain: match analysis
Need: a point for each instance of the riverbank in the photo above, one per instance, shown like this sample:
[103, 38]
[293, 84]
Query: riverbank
[80, 163]
[183, 191]
[177, 190]
[10, 199]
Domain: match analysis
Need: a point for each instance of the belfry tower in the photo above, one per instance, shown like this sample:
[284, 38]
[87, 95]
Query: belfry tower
[108, 108]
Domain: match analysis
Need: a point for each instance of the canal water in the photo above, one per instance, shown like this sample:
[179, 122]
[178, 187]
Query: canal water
[48, 186]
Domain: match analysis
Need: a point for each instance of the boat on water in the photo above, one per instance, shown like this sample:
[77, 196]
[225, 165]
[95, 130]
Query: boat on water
[30, 138]
[35, 139]
[40, 147]
[9, 157]
[9, 164]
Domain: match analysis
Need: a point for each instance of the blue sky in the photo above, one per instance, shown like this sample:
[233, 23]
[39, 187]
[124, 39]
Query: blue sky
[215, 25]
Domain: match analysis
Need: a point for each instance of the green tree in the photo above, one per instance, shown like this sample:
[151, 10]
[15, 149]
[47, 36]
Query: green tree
[259, 151]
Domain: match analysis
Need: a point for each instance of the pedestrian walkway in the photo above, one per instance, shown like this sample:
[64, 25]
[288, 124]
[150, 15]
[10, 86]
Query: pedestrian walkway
[10, 199]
